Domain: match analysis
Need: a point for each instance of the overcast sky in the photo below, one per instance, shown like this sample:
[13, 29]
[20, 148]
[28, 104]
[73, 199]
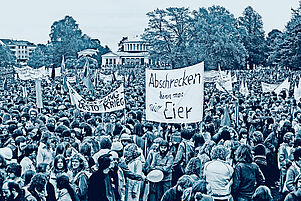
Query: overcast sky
[109, 20]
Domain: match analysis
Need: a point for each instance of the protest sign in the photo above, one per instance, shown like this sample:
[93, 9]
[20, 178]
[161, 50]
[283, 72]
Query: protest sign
[175, 96]
[268, 87]
[112, 102]
[28, 73]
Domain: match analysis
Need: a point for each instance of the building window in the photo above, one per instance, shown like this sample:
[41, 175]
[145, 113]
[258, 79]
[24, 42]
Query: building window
[114, 61]
[130, 47]
[107, 61]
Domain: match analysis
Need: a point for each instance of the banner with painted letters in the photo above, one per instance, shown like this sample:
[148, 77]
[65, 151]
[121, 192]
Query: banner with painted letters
[29, 73]
[112, 102]
[175, 96]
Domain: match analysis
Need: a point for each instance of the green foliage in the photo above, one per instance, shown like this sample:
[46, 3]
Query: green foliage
[6, 57]
[181, 38]
[253, 38]
[66, 39]
[291, 46]
[42, 56]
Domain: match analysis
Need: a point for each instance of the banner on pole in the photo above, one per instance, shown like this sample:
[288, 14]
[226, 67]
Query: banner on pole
[112, 102]
[28, 73]
[175, 96]
[39, 100]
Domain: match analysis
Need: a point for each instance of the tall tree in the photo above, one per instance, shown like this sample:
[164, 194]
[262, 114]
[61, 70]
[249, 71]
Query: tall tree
[168, 34]
[292, 41]
[67, 39]
[6, 56]
[274, 47]
[217, 38]
[253, 39]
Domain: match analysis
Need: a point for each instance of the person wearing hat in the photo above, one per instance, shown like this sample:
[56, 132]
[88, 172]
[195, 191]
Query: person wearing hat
[163, 161]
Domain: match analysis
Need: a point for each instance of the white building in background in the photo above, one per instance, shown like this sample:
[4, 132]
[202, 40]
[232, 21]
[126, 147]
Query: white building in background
[20, 48]
[131, 51]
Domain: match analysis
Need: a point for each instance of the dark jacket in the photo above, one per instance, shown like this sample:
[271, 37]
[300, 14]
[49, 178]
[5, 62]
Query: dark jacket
[245, 178]
[100, 187]
[172, 195]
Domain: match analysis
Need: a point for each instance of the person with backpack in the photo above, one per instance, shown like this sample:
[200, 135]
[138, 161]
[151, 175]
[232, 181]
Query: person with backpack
[184, 153]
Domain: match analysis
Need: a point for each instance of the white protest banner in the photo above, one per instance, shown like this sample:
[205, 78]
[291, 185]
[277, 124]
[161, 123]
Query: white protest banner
[268, 87]
[285, 85]
[175, 96]
[71, 79]
[211, 76]
[112, 102]
[28, 73]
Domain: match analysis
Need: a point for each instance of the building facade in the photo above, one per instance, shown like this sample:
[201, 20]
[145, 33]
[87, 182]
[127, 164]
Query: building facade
[20, 48]
[131, 52]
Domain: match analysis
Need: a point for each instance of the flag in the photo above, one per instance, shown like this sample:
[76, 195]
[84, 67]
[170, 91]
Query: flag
[114, 79]
[63, 67]
[225, 83]
[87, 76]
[285, 85]
[39, 100]
[297, 92]
[74, 96]
[53, 72]
[244, 88]
[5, 84]
[65, 87]
[24, 90]
[225, 121]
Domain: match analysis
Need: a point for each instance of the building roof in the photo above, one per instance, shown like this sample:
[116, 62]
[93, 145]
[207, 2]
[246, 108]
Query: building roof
[8, 41]
[110, 54]
[133, 54]
[17, 42]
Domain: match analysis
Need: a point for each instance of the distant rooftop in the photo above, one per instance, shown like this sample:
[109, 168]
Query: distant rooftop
[16, 42]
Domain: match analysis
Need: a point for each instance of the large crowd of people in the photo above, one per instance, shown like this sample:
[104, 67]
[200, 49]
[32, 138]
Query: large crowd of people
[60, 153]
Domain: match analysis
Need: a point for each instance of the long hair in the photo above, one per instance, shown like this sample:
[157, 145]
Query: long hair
[244, 154]
[63, 182]
[65, 168]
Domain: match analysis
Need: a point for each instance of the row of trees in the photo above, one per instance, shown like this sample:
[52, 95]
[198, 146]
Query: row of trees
[182, 37]
[66, 39]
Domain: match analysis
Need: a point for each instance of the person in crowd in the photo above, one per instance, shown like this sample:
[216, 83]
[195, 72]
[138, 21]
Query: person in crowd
[99, 184]
[296, 194]
[29, 160]
[36, 190]
[80, 176]
[247, 175]
[175, 193]
[163, 160]
[184, 153]
[218, 174]
[262, 193]
[65, 190]
[131, 156]
[294, 171]
[45, 153]
[12, 192]
[44, 168]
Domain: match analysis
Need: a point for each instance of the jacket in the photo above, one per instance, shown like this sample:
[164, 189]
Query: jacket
[292, 173]
[163, 163]
[245, 176]
[218, 174]
[172, 195]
